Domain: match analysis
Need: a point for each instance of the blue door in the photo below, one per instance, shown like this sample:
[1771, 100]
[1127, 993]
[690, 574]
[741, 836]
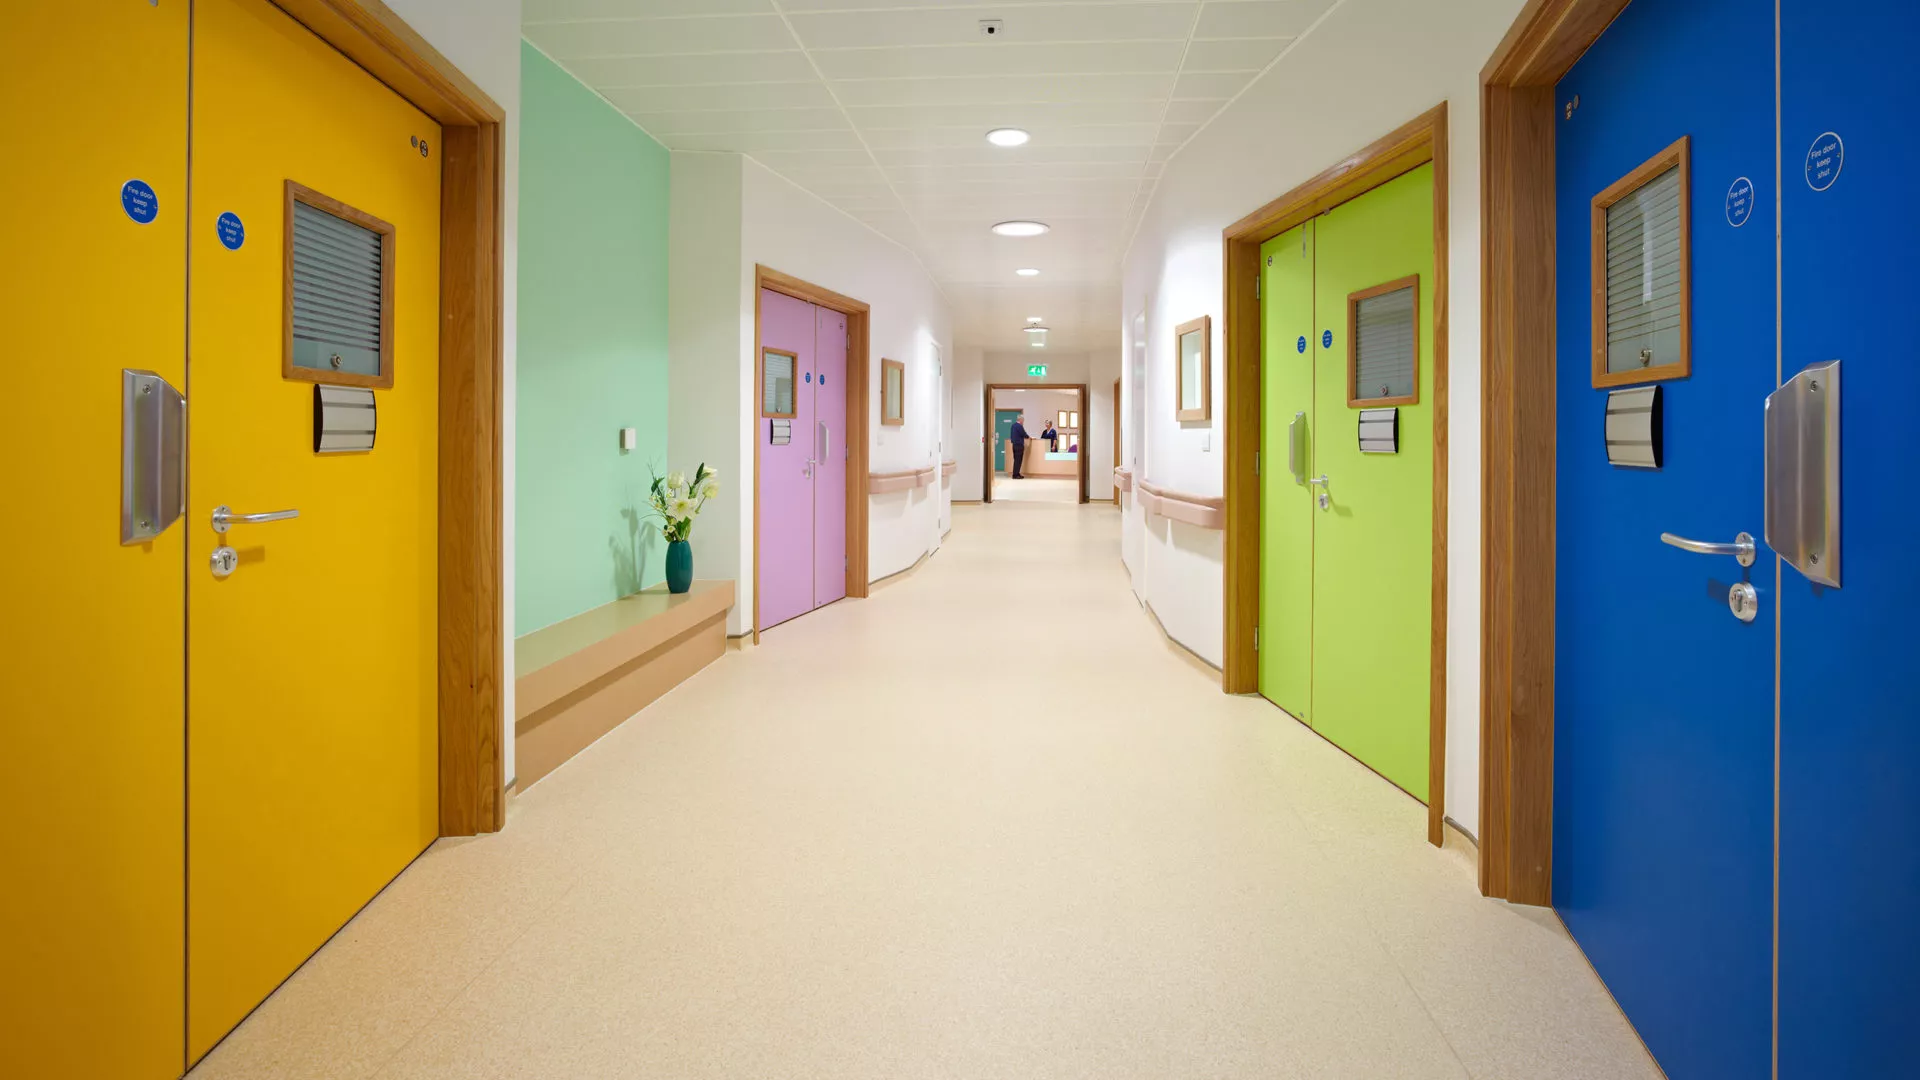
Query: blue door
[1663, 700]
[1742, 863]
[1850, 657]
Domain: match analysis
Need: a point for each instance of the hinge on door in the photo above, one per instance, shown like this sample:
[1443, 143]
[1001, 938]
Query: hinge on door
[846, 563]
[1256, 463]
[1256, 639]
[1256, 288]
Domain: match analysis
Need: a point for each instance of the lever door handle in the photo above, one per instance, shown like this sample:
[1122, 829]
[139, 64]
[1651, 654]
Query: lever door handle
[224, 518]
[1319, 481]
[1742, 548]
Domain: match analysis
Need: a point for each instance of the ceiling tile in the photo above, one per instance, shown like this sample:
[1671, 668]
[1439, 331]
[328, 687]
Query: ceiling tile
[660, 37]
[948, 137]
[779, 160]
[534, 11]
[793, 95]
[984, 154]
[1025, 25]
[1008, 59]
[1066, 170]
[758, 141]
[742, 120]
[1259, 18]
[1196, 112]
[1251, 54]
[995, 90]
[720, 68]
[1211, 84]
[983, 117]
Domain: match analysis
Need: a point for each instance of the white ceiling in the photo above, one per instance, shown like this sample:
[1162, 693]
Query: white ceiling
[881, 107]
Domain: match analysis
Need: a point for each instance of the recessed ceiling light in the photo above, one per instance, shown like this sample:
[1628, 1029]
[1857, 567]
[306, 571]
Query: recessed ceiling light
[1034, 329]
[1027, 271]
[1008, 137]
[1020, 228]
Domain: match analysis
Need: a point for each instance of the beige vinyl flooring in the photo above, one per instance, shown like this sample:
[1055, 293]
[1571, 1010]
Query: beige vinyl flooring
[904, 839]
[1053, 489]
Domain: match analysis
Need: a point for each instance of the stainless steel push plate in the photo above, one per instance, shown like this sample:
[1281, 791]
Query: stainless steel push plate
[1803, 472]
[153, 424]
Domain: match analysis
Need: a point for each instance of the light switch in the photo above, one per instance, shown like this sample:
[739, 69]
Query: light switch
[1206, 443]
[629, 438]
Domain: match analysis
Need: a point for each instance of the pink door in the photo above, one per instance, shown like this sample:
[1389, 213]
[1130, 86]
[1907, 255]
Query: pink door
[830, 478]
[786, 460]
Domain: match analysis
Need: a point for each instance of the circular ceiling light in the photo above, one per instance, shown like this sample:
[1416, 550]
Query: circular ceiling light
[1034, 329]
[1008, 137]
[1027, 271]
[1020, 228]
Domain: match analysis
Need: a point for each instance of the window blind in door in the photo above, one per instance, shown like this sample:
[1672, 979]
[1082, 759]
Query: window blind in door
[1385, 343]
[338, 322]
[1645, 279]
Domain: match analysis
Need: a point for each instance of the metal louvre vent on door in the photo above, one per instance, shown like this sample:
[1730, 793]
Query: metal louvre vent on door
[1645, 275]
[339, 304]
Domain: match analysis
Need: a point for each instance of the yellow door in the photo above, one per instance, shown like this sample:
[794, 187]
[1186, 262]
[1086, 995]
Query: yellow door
[312, 750]
[91, 648]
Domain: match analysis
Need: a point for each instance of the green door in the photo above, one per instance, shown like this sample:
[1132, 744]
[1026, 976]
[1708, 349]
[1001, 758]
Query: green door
[1347, 587]
[1002, 431]
[1286, 500]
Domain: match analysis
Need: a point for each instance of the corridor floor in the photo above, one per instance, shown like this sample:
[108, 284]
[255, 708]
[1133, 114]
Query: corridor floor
[987, 824]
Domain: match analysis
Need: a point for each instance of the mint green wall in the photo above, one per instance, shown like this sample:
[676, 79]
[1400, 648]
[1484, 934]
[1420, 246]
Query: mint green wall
[592, 349]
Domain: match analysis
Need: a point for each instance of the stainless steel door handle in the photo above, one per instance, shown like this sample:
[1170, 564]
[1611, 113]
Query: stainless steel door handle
[826, 442]
[1742, 548]
[1326, 489]
[224, 518]
[1294, 465]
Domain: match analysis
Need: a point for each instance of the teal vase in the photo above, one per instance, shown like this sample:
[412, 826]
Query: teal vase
[679, 566]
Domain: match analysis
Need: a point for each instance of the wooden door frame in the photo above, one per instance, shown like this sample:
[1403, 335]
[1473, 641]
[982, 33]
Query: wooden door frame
[860, 374]
[1413, 144]
[1517, 431]
[1086, 417]
[471, 634]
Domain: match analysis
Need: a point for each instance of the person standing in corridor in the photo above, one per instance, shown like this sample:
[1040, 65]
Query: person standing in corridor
[1020, 438]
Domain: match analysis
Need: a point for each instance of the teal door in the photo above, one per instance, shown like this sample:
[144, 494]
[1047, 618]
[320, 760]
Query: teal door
[1002, 431]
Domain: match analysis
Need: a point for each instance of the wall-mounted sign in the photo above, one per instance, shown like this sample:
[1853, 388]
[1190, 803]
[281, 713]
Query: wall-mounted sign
[139, 201]
[1038, 371]
[1326, 339]
[1824, 159]
[1301, 345]
[1634, 427]
[232, 232]
[1739, 202]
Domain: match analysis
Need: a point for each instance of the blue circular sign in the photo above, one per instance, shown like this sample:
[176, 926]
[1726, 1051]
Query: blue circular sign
[1824, 159]
[1326, 339]
[1301, 345]
[232, 232]
[1739, 202]
[809, 378]
[139, 201]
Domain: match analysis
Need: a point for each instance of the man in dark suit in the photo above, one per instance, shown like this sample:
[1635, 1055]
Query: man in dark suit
[1020, 438]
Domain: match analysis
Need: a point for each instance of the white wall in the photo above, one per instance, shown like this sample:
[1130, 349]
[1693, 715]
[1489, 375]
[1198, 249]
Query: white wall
[706, 384]
[482, 39]
[1368, 67]
[969, 427]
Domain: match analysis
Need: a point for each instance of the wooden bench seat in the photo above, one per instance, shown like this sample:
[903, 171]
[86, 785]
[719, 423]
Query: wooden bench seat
[582, 677]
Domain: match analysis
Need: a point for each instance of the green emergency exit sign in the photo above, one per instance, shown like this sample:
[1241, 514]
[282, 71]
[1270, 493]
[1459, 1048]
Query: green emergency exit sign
[1038, 371]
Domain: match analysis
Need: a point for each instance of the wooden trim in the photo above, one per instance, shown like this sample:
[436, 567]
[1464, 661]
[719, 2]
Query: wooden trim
[1204, 511]
[859, 412]
[472, 249]
[881, 483]
[900, 419]
[1417, 142]
[1676, 156]
[371, 35]
[986, 474]
[389, 241]
[1203, 324]
[1354, 400]
[760, 388]
[1518, 436]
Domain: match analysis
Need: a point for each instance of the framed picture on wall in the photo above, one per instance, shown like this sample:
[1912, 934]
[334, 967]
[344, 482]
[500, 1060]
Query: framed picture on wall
[893, 393]
[1193, 369]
